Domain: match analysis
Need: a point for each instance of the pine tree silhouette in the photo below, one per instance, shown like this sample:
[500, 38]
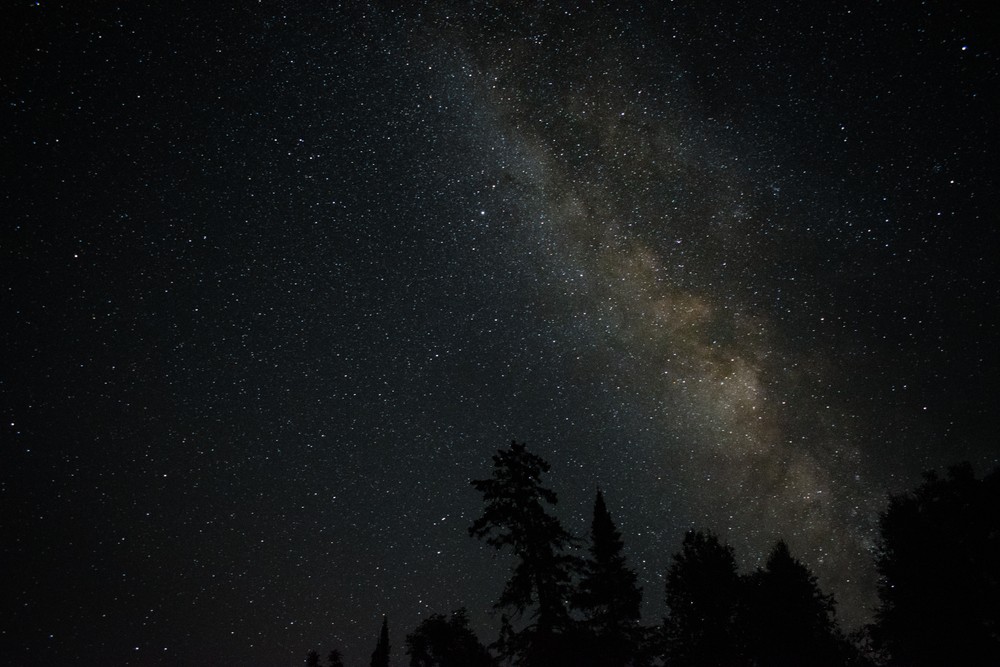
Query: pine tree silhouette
[312, 659]
[380, 656]
[515, 517]
[702, 594]
[608, 595]
[335, 659]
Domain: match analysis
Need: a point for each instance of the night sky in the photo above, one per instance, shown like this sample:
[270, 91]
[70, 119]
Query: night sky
[279, 279]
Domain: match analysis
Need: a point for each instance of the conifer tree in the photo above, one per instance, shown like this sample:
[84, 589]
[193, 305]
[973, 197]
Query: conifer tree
[608, 595]
[515, 517]
[380, 656]
[702, 594]
[335, 659]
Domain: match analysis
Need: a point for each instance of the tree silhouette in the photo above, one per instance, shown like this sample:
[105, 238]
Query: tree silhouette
[702, 593]
[380, 656]
[939, 561]
[608, 595]
[312, 659]
[442, 642]
[515, 517]
[788, 620]
[335, 659]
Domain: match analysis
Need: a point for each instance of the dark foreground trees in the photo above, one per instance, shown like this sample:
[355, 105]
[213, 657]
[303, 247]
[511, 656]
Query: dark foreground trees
[774, 617]
[313, 660]
[939, 562]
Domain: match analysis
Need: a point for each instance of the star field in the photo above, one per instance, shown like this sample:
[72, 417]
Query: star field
[280, 279]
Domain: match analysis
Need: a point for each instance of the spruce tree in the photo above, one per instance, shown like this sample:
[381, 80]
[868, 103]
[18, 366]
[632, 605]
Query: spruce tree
[380, 656]
[608, 595]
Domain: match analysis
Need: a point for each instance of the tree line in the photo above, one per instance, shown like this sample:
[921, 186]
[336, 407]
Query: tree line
[938, 562]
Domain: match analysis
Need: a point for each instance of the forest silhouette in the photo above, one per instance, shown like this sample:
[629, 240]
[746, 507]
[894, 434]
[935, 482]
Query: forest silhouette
[938, 561]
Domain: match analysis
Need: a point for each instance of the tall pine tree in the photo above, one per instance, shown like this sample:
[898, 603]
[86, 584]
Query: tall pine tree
[608, 595]
[380, 656]
[703, 595]
[515, 516]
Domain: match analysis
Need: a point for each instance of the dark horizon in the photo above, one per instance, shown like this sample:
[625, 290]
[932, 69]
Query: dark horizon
[280, 280]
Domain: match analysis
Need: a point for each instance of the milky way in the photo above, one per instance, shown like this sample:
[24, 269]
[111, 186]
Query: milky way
[673, 305]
